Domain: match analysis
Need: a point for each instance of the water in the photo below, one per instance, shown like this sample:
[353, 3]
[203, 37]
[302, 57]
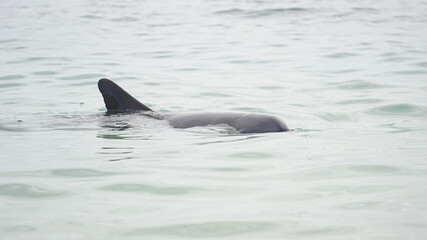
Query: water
[348, 77]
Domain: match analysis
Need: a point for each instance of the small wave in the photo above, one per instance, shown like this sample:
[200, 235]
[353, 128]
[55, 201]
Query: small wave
[422, 64]
[360, 101]
[80, 172]
[262, 12]
[125, 19]
[82, 76]
[27, 191]
[360, 85]
[248, 109]
[8, 85]
[397, 59]
[410, 72]
[251, 155]
[342, 55]
[11, 128]
[399, 109]
[44, 73]
[141, 188]
[83, 83]
[361, 205]
[365, 9]
[337, 117]
[186, 69]
[230, 11]
[349, 70]
[205, 229]
[11, 77]
[8, 40]
[91, 17]
[41, 59]
[270, 88]
[214, 94]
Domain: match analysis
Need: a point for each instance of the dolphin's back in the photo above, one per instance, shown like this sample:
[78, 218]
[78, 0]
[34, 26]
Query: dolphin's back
[118, 100]
[242, 122]
[188, 120]
[259, 123]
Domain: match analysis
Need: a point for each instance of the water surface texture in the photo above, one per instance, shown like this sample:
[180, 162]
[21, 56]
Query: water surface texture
[348, 77]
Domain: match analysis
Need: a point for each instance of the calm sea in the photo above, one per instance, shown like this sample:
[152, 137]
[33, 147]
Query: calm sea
[348, 77]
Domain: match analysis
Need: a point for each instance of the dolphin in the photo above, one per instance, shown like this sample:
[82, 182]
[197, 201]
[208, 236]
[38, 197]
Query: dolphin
[118, 100]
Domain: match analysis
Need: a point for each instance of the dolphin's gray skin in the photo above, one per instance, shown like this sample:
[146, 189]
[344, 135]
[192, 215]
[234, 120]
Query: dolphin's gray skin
[118, 100]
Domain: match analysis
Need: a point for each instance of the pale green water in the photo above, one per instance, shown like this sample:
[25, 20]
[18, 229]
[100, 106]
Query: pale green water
[348, 78]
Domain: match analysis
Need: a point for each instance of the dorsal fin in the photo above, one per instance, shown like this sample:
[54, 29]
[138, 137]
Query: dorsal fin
[117, 99]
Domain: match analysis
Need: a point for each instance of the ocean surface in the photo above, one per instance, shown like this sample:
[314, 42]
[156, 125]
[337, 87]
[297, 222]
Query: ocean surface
[348, 77]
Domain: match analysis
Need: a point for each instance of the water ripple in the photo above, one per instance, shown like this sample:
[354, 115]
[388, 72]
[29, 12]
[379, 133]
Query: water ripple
[214, 94]
[251, 155]
[360, 101]
[342, 55]
[133, 187]
[40, 59]
[410, 72]
[337, 117]
[11, 128]
[24, 190]
[422, 64]
[44, 73]
[125, 19]
[360, 85]
[263, 12]
[91, 17]
[325, 230]
[206, 229]
[11, 77]
[346, 171]
[8, 40]
[363, 189]
[249, 109]
[361, 205]
[83, 76]
[80, 172]
[398, 109]
[229, 169]
[8, 85]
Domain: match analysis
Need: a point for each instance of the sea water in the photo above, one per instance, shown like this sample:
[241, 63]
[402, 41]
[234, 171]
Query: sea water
[348, 78]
